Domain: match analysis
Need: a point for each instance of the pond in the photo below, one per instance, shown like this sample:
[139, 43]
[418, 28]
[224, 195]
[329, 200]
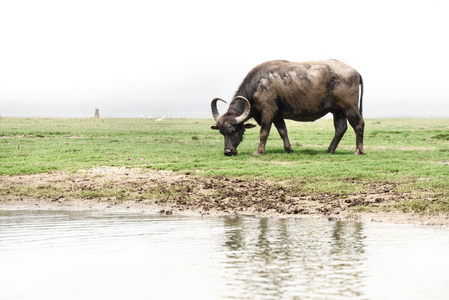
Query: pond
[101, 255]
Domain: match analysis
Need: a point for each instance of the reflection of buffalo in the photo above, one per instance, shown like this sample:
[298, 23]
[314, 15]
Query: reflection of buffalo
[278, 90]
[286, 258]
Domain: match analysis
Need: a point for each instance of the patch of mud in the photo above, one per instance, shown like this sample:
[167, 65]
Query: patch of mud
[136, 189]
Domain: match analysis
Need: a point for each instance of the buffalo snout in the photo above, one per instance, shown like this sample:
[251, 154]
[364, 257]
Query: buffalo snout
[230, 152]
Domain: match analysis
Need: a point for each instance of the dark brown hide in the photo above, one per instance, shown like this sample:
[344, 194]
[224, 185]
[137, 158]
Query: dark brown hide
[306, 91]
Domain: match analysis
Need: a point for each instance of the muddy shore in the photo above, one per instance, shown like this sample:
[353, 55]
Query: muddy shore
[143, 190]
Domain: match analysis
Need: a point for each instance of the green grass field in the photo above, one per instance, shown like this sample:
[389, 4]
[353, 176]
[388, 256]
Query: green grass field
[411, 153]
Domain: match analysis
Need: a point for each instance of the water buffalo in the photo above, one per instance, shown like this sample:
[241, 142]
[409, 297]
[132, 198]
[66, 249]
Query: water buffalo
[306, 91]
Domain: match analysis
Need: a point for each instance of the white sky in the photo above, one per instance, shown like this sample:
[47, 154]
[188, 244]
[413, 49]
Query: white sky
[131, 58]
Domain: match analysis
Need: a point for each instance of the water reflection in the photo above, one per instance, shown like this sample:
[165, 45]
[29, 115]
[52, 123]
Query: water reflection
[96, 255]
[281, 257]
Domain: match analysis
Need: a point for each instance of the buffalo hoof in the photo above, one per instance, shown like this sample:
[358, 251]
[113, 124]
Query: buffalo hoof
[359, 152]
[288, 150]
[258, 153]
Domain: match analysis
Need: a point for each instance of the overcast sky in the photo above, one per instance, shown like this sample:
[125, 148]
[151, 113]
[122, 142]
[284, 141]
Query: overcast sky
[131, 58]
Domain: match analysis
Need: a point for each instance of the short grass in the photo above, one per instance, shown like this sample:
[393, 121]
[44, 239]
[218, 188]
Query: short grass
[412, 153]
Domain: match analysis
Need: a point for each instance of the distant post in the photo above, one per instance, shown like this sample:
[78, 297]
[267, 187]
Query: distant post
[97, 113]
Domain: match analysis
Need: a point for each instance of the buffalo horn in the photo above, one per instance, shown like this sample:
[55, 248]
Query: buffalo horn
[246, 112]
[213, 106]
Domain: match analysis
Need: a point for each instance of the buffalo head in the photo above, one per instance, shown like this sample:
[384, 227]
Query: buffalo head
[232, 123]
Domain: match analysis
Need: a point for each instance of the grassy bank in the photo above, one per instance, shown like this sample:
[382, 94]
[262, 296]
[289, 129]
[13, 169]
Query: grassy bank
[410, 154]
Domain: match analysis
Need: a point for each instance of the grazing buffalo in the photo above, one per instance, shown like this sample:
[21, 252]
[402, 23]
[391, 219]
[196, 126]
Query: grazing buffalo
[306, 91]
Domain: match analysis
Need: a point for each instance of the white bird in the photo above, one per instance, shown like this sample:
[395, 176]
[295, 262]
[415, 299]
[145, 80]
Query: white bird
[150, 117]
[142, 116]
[161, 119]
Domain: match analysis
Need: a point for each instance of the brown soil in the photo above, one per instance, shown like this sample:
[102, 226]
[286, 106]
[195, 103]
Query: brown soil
[166, 192]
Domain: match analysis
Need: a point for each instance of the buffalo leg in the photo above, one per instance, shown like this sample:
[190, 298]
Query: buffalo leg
[356, 121]
[282, 129]
[264, 132]
[340, 125]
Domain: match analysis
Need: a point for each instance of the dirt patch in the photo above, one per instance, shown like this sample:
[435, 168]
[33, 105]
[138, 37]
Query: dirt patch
[168, 192]
[399, 148]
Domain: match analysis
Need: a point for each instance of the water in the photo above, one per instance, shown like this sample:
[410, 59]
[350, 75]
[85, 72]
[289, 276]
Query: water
[98, 255]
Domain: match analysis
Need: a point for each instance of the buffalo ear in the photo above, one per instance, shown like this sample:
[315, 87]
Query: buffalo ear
[249, 125]
[215, 127]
